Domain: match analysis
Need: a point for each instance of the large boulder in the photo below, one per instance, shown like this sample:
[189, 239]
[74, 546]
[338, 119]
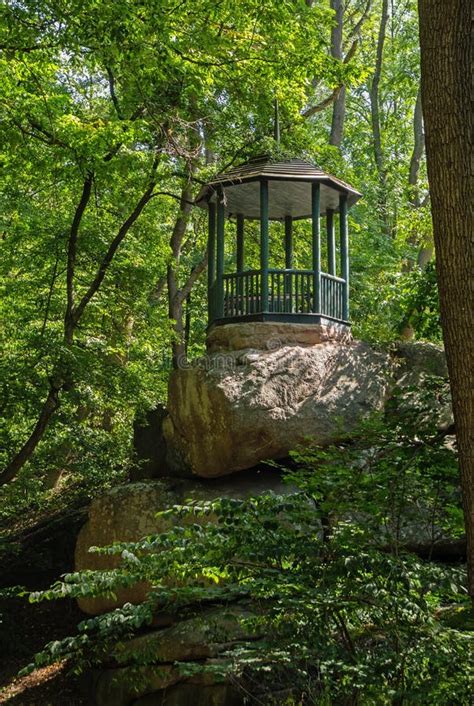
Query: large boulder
[146, 669]
[124, 514]
[230, 411]
[162, 685]
[127, 513]
[202, 636]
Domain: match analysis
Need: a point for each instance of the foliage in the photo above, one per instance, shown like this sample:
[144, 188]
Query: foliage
[347, 612]
[90, 89]
[98, 92]
[420, 298]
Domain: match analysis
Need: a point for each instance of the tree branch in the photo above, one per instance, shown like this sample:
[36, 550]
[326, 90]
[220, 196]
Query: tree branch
[71, 257]
[335, 94]
[351, 52]
[223, 62]
[193, 277]
[418, 148]
[113, 95]
[28, 49]
[323, 104]
[361, 21]
[50, 406]
[172, 196]
[107, 259]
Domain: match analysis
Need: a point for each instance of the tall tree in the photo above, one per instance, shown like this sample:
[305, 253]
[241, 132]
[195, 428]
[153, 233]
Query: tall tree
[374, 94]
[339, 107]
[417, 154]
[353, 30]
[446, 82]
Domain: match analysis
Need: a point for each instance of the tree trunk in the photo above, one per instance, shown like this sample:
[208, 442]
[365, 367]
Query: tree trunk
[175, 298]
[417, 154]
[446, 66]
[50, 406]
[374, 95]
[338, 117]
[425, 253]
[339, 106]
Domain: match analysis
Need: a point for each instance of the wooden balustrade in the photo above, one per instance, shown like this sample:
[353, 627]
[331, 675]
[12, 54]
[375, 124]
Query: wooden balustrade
[289, 292]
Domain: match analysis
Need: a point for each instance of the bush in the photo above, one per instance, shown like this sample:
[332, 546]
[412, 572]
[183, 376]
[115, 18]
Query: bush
[349, 616]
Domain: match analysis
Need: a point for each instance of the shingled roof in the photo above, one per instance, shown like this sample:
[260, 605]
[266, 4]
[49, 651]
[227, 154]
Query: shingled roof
[289, 188]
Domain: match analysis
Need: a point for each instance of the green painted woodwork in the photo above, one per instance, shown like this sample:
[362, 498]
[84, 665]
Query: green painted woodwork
[288, 242]
[288, 262]
[316, 245]
[290, 293]
[264, 244]
[331, 242]
[211, 259]
[344, 253]
[240, 242]
[219, 288]
[282, 294]
[240, 255]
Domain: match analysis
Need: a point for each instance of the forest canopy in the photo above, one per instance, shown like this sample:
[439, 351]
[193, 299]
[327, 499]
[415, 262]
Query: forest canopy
[113, 115]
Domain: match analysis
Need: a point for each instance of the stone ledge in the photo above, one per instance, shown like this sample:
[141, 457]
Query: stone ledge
[270, 335]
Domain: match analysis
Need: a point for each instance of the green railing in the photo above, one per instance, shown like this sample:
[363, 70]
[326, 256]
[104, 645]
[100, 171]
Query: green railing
[289, 292]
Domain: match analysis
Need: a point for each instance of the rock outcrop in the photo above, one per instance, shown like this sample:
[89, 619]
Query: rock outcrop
[229, 411]
[162, 685]
[203, 638]
[127, 513]
[226, 413]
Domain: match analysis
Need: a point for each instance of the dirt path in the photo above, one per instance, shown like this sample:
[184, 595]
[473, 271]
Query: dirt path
[24, 630]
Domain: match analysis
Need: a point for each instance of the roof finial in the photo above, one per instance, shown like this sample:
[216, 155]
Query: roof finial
[276, 125]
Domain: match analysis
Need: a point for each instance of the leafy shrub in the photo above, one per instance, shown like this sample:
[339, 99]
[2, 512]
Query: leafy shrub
[348, 614]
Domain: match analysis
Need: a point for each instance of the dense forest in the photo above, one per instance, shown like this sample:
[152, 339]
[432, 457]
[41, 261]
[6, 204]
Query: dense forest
[113, 117]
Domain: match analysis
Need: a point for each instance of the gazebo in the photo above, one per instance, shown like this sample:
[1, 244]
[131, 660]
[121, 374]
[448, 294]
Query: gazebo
[285, 191]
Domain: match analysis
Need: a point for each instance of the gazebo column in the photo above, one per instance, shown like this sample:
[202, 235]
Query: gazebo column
[344, 254]
[240, 242]
[288, 242]
[240, 262]
[316, 246]
[288, 304]
[331, 241]
[219, 288]
[211, 260]
[264, 245]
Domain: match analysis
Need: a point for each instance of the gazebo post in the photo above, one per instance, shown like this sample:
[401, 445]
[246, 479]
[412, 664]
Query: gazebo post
[331, 241]
[240, 262]
[219, 308]
[264, 245]
[211, 260]
[240, 242]
[344, 254]
[288, 263]
[316, 246]
[288, 242]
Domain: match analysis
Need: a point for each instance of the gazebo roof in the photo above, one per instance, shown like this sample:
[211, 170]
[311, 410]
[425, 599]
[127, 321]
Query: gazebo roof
[289, 186]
